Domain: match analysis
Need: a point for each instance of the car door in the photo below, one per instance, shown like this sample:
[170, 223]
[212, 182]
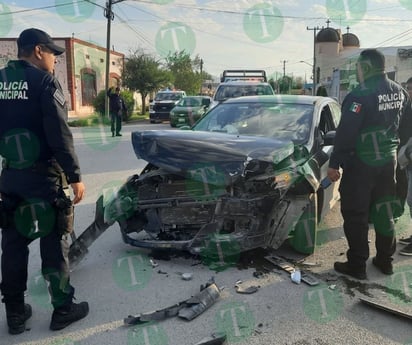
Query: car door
[328, 194]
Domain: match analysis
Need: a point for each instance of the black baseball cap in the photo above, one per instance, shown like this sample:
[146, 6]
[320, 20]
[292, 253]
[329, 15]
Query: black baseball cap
[33, 37]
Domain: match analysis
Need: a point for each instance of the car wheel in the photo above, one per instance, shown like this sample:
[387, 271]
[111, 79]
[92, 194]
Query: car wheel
[152, 121]
[172, 124]
[303, 238]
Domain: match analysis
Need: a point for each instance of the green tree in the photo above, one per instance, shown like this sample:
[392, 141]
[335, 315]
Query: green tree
[144, 74]
[98, 103]
[186, 71]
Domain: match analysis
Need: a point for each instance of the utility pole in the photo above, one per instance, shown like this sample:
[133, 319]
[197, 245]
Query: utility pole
[110, 16]
[201, 75]
[284, 68]
[314, 29]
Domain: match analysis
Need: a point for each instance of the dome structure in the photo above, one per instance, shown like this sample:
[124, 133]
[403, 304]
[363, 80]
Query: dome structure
[350, 40]
[327, 35]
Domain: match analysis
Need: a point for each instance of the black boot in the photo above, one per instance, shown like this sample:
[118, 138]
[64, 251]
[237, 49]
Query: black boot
[64, 316]
[17, 315]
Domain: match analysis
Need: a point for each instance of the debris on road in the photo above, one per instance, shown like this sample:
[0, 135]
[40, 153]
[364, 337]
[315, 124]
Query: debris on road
[288, 267]
[187, 276]
[188, 309]
[215, 339]
[386, 307]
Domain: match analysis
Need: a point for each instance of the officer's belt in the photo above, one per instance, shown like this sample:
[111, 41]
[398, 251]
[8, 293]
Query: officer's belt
[41, 167]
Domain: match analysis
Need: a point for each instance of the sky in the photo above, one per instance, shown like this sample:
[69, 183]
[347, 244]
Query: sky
[274, 35]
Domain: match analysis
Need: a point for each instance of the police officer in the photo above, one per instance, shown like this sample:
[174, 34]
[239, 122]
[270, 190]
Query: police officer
[116, 107]
[39, 163]
[365, 148]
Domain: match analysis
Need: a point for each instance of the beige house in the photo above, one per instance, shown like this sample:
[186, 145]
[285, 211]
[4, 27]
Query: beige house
[336, 55]
[81, 70]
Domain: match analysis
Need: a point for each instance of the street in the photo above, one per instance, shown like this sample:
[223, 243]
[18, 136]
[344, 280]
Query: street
[119, 280]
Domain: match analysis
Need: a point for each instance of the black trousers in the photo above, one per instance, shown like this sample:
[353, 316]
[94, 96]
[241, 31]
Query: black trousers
[116, 122]
[15, 240]
[368, 195]
[55, 269]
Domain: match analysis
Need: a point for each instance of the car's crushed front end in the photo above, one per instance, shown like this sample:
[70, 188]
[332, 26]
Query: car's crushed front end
[201, 188]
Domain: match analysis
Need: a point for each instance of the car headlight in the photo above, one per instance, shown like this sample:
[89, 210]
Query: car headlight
[283, 180]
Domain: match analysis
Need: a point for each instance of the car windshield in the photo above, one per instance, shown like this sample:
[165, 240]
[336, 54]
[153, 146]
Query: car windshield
[283, 121]
[189, 102]
[232, 91]
[167, 96]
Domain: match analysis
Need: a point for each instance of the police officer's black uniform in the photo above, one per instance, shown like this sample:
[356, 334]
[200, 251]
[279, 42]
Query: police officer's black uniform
[116, 107]
[365, 147]
[36, 144]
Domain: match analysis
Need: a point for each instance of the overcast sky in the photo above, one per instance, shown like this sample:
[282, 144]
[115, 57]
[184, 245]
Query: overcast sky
[226, 34]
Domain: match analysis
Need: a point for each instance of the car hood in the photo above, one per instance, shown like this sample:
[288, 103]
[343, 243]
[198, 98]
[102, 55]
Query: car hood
[233, 155]
[185, 110]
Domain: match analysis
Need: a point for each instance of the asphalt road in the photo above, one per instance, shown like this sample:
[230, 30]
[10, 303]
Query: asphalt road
[119, 280]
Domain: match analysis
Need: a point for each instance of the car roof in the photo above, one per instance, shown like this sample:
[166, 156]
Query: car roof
[300, 99]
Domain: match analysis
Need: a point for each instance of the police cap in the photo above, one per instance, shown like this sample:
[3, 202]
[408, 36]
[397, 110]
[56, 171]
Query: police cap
[33, 37]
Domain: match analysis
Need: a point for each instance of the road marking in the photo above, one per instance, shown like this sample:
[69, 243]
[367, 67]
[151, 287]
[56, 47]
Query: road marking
[78, 335]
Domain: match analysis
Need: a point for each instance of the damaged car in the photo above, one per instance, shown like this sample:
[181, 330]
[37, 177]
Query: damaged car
[251, 173]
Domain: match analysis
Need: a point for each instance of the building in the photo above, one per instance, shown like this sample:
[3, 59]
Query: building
[81, 70]
[336, 55]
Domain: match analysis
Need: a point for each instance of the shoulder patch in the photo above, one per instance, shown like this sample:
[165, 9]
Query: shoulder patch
[59, 97]
[355, 107]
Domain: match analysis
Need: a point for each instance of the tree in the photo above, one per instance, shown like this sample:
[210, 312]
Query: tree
[144, 74]
[186, 72]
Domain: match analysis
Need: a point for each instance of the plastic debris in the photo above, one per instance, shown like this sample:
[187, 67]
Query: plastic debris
[187, 276]
[296, 276]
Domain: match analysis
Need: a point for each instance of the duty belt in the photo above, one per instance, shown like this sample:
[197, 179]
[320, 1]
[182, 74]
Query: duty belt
[42, 167]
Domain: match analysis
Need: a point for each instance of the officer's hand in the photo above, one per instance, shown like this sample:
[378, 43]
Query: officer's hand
[78, 191]
[333, 174]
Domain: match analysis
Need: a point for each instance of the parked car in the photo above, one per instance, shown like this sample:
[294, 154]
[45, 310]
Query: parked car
[188, 110]
[252, 172]
[237, 83]
[164, 102]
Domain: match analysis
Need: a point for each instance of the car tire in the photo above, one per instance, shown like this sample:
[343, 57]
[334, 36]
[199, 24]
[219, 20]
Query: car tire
[303, 238]
[172, 125]
[152, 121]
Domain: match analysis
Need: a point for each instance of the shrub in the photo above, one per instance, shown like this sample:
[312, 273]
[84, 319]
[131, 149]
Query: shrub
[98, 103]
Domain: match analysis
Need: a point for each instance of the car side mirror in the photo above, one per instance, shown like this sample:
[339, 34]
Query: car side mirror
[329, 138]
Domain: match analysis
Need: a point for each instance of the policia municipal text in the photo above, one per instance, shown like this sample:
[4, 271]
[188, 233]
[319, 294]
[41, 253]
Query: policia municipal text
[39, 163]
